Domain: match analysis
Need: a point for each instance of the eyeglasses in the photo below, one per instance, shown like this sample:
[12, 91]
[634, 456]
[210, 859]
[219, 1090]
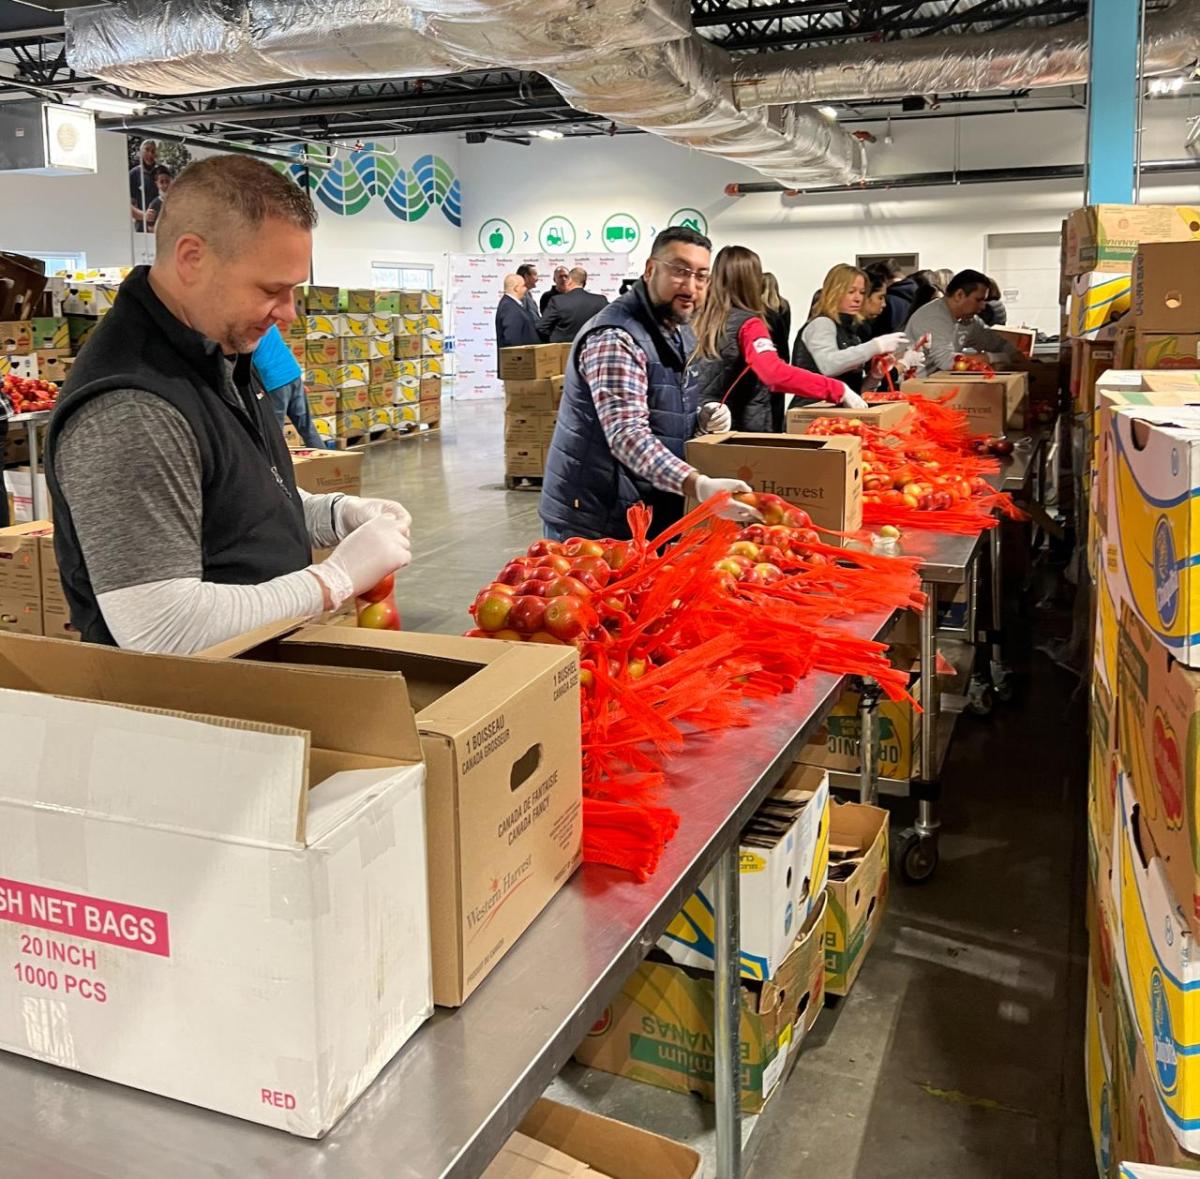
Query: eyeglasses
[681, 273]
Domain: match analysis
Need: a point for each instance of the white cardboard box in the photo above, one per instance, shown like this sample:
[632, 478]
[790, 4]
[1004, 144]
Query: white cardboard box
[229, 910]
[779, 886]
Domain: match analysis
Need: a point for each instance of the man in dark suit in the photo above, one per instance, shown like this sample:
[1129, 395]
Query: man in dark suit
[513, 325]
[569, 311]
[556, 288]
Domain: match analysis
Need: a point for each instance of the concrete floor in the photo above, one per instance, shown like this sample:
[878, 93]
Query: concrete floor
[959, 1053]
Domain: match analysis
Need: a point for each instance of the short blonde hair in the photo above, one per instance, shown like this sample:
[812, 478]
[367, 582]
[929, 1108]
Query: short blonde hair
[839, 282]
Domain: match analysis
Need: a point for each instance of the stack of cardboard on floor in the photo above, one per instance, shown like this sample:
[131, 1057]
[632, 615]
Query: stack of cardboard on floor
[533, 387]
[812, 890]
[1143, 1032]
[31, 594]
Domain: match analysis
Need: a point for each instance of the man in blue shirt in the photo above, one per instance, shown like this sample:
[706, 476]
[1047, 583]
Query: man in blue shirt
[281, 377]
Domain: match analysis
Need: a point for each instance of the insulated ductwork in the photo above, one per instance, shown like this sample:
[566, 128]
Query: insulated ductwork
[637, 62]
[676, 91]
[1016, 60]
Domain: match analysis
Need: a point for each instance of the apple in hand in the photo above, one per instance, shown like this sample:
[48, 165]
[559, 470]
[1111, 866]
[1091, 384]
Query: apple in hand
[380, 616]
[378, 592]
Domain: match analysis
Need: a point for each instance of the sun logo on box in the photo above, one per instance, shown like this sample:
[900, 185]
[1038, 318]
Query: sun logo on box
[1166, 573]
[1166, 1061]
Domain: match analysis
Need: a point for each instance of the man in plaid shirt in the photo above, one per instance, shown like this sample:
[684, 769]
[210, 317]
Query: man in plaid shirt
[629, 406]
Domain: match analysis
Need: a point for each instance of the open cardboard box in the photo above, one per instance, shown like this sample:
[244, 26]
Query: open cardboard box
[992, 404]
[886, 416]
[214, 876]
[557, 1141]
[822, 475]
[499, 725]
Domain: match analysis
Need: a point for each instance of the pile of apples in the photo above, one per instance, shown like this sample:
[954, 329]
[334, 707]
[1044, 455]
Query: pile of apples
[896, 477]
[29, 395]
[972, 363]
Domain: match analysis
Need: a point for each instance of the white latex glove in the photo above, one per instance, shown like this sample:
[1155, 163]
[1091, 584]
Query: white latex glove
[851, 400]
[892, 343]
[364, 558]
[351, 512]
[714, 418]
[913, 358]
[706, 488]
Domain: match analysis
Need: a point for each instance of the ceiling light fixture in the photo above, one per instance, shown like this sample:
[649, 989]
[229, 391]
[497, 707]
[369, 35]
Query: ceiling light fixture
[1171, 85]
[108, 105]
[548, 133]
[887, 135]
[829, 112]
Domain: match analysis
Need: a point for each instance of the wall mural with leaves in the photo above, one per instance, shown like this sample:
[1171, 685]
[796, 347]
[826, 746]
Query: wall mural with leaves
[348, 183]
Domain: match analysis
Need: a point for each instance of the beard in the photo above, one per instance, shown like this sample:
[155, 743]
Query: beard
[671, 312]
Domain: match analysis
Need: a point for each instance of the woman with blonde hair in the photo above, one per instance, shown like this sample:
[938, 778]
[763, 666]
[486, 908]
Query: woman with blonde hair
[735, 362]
[831, 343]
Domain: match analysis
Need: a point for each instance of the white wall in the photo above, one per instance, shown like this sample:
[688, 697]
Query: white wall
[88, 213]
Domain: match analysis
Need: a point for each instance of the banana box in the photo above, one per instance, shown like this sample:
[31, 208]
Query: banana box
[432, 344]
[353, 376]
[1098, 300]
[858, 888]
[784, 862]
[50, 333]
[383, 371]
[1158, 703]
[1102, 779]
[408, 368]
[1155, 518]
[379, 395]
[16, 337]
[408, 325]
[327, 426]
[431, 366]
[1153, 1171]
[1159, 967]
[407, 347]
[321, 378]
[403, 414]
[358, 397]
[323, 326]
[431, 301]
[406, 391]
[379, 417]
[381, 348]
[431, 388]
[321, 353]
[93, 298]
[408, 302]
[1098, 1071]
[322, 404]
[356, 325]
[355, 422]
[321, 300]
[353, 349]
[1107, 619]
[358, 301]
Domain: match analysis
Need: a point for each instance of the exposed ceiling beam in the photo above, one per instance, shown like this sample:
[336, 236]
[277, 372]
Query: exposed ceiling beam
[723, 15]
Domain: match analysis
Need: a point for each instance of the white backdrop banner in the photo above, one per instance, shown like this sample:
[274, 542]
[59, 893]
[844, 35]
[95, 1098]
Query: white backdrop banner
[476, 285]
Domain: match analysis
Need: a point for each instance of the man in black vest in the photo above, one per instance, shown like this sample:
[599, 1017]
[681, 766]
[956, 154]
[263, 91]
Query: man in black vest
[628, 406]
[569, 311]
[177, 522]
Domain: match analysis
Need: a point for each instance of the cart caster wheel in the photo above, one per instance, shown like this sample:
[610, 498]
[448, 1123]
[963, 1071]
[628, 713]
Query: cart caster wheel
[1002, 682]
[916, 857]
[980, 697]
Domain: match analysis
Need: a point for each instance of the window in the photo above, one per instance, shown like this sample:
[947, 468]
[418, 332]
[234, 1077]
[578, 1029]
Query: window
[907, 262]
[60, 260]
[401, 276]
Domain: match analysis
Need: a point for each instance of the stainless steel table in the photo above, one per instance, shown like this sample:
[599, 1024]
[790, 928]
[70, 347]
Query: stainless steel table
[31, 423]
[452, 1095]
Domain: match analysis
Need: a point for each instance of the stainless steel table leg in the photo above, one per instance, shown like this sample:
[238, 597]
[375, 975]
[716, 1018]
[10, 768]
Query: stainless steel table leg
[868, 742]
[727, 1018]
[929, 690]
[35, 490]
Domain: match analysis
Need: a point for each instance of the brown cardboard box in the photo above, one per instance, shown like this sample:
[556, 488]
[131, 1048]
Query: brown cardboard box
[322, 404]
[1106, 237]
[353, 397]
[531, 362]
[540, 396]
[535, 428]
[1137, 349]
[54, 365]
[51, 583]
[321, 353]
[21, 613]
[524, 458]
[1023, 339]
[20, 558]
[56, 622]
[659, 1029]
[992, 404]
[430, 389]
[499, 725]
[821, 475]
[16, 337]
[431, 411]
[1166, 287]
[407, 347]
[1090, 360]
[321, 300]
[857, 899]
[588, 1146]
[886, 416]
[321, 472]
[360, 301]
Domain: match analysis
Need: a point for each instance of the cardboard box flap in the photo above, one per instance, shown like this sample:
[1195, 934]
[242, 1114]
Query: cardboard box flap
[850, 444]
[451, 679]
[356, 712]
[212, 776]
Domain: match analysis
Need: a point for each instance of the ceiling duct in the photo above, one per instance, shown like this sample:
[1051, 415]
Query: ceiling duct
[1016, 60]
[637, 62]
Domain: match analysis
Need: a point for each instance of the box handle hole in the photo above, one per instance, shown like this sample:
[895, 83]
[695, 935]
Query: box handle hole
[525, 767]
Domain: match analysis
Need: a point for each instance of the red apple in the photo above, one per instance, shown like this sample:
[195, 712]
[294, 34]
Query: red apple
[565, 616]
[567, 585]
[378, 592]
[555, 561]
[528, 614]
[544, 548]
[578, 546]
[380, 616]
[492, 610]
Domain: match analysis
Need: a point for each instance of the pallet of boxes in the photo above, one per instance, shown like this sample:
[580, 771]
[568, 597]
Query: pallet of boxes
[32, 601]
[533, 387]
[420, 344]
[1143, 1028]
